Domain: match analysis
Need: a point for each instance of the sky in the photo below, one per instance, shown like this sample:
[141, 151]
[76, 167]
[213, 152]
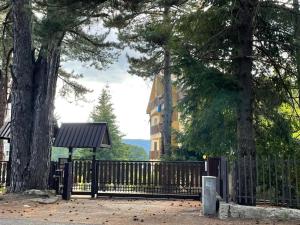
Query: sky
[130, 95]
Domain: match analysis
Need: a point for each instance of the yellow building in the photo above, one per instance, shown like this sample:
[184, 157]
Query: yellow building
[155, 111]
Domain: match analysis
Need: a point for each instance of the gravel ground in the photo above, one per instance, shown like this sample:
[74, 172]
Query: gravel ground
[27, 222]
[16, 209]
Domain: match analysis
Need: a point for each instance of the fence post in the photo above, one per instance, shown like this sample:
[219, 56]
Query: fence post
[213, 169]
[52, 175]
[58, 176]
[67, 181]
[224, 178]
[94, 187]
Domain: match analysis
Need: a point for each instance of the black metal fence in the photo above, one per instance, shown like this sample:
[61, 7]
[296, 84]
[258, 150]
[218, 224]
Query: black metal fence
[140, 177]
[277, 181]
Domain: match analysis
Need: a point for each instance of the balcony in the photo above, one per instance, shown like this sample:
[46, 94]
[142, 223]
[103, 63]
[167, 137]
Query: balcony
[157, 101]
[155, 129]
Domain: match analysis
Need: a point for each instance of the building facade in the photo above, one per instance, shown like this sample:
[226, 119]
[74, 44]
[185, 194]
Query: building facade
[155, 111]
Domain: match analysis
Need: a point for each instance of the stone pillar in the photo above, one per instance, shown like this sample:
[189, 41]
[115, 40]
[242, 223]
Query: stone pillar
[209, 198]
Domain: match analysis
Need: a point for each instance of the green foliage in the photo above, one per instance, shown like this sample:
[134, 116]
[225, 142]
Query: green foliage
[77, 28]
[208, 110]
[136, 153]
[103, 112]
[129, 152]
[147, 27]
[57, 153]
[71, 87]
[199, 38]
[203, 65]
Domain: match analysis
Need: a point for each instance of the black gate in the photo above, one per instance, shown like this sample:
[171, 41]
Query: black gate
[138, 178]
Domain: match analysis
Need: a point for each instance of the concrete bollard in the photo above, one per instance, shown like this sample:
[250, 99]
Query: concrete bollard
[209, 195]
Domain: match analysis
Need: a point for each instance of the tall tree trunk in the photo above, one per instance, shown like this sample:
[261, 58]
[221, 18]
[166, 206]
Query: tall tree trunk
[297, 42]
[243, 25]
[168, 104]
[45, 77]
[167, 84]
[22, 96]
[34, 84]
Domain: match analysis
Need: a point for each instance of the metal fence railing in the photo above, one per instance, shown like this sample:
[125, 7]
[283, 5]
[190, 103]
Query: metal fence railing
[269, 180]
[140, 177]
[277, 181]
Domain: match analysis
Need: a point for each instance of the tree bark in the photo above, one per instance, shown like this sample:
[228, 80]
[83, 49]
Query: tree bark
[167, 85]
[22, 96]
[297, 43]
[243, 28]
[45, 77]
[168, 104]
[33, 91]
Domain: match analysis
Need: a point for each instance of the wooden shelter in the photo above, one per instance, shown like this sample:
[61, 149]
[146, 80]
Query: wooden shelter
[82, 135]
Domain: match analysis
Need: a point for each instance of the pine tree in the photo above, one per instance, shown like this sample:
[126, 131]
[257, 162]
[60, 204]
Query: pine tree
[104, 112]
[149, 30]
[238, 63]
[244, 14]
[39, 44]
[222, 45]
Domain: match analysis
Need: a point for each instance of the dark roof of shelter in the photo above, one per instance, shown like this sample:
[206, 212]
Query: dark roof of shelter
[5, 131]
[83, 135]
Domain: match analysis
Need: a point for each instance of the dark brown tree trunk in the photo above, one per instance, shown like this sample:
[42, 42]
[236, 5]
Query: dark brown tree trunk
[34, 84]
[243, 26]
[297, 43]
[45, 77]
[22, 96]
[167, 96]
[168, 104]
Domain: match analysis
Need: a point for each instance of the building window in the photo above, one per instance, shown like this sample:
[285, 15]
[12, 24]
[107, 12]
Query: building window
[154, 121]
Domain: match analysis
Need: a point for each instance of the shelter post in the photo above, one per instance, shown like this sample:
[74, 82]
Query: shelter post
[94, 188]
[68, 175]
[70, 154]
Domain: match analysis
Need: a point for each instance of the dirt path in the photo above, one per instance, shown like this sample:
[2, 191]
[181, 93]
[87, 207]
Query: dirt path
[20, 210]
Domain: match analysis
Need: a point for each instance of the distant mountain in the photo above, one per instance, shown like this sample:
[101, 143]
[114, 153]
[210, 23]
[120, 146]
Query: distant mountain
[139, 142]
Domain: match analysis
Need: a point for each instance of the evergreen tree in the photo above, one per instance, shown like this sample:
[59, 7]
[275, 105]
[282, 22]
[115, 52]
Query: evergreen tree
[238, 66]
[39, 44]
[103, 112]
[149, 30]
